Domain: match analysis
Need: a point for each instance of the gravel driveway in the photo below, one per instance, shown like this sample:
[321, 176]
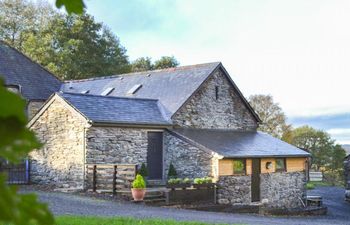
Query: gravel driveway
[69, 204]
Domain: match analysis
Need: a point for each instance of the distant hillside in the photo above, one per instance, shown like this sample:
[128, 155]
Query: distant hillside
[347, 148]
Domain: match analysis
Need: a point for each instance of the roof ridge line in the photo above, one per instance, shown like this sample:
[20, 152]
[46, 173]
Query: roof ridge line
[103, 96]
[139, 73]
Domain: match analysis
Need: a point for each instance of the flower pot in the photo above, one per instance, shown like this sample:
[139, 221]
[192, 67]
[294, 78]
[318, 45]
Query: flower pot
[138, 193]
[204, 186]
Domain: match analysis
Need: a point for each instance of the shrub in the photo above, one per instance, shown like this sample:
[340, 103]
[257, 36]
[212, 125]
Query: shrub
[139, 182]
[172, 171]
[310, 186]
[143, 171]
[175, 181]
[204, 180]
[187, 181]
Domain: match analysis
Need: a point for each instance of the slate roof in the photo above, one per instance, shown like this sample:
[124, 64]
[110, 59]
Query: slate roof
[17, 69]
[117, 110]
[239, 144]
[171, 86]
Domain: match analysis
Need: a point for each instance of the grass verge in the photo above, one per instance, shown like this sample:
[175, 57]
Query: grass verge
[91, 220]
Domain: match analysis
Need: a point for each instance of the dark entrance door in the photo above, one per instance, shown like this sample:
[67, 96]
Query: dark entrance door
[255, 180]
[155, 155]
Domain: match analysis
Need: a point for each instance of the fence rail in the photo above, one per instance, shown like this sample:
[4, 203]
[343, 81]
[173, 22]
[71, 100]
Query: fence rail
[16, 173]
[316, 176]
[110, 177]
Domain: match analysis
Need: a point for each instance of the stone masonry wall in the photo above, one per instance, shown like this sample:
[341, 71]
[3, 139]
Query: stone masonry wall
[33, 107]
[282, 189]
[113, 145]
[205, 111]
[188, 160]
[60, 162]
[234, 190]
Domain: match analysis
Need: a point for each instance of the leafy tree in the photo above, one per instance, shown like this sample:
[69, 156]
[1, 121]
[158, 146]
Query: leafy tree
[145, 63]
[16, 18]
[338, 157]
[142, 64]
[271, 114]
[15, 143]
[166, 62]
[325, 153]
[75, 47]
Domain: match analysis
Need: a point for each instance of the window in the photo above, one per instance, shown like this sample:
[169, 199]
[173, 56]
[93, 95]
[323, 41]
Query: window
[85, 92]
[107, 91]
[280, 164]
[134, 89]
[216, 92]
[239, 166]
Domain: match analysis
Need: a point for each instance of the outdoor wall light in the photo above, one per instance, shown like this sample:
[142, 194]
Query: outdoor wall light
[268, 165]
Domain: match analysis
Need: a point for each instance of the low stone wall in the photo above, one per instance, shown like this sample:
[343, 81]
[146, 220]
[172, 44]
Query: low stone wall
[282, 189]
[114, 145]
[188, 160]
[234, 190]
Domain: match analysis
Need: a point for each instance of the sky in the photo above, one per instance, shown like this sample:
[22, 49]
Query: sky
[297, 51]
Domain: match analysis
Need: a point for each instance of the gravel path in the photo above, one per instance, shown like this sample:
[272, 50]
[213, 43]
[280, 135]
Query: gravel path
[69, 204]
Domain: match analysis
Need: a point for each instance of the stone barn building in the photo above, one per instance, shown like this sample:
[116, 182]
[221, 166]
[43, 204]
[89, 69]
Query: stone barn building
[27, 78]
[194, 117]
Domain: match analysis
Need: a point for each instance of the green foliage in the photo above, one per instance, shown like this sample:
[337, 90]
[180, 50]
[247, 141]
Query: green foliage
[139, 182]
[187, 181]
[72, 6]
[143, 170]
[271, 114]
[15, 143]
[172, 171]
[77, 47]
[142, 64]
[334, 177]
[89, 220]
[175, 181]
[310, 186]
[166, 62]
[179, 181]
[145, 63]
[325, 153]
[204, 180]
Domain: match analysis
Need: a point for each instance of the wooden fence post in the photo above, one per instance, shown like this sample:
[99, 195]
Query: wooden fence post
[94, 179]
[115, 180]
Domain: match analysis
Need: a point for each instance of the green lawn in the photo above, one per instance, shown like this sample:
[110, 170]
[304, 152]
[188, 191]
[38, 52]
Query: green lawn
[313, 184]
[79, 220]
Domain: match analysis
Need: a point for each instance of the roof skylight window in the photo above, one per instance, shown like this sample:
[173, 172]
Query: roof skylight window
[107, 91]
[85, 92]
[134, 89]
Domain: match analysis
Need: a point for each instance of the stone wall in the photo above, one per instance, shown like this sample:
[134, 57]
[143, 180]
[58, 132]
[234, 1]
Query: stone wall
[33, 107]
[205, 111]
[234, 190]
[116, 145]
[60, 162]
[188, 160]
[282, 189]
[347, 172]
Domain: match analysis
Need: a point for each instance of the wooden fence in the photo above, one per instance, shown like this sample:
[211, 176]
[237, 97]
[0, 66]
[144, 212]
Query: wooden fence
[110, 177]
[315, 176]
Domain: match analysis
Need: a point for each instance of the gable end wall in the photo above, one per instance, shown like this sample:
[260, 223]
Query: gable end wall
[204, 111]
[60, 162]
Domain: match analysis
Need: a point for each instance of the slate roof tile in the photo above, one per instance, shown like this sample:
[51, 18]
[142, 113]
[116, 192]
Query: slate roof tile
[117, 110]
[231, 144]
[17, 69]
